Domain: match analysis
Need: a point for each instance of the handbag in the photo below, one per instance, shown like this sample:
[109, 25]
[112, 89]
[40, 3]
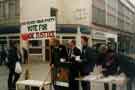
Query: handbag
[18, 68]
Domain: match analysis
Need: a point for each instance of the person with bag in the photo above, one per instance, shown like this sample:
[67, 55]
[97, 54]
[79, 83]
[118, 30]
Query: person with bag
[14, 65]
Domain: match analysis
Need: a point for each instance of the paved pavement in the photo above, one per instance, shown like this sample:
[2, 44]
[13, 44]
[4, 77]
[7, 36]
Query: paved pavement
[38, 72]
[3, 78]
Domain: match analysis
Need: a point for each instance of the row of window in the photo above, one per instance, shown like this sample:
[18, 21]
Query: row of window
[9, 9]
[98, 16]
[121, 19]
[127, 46]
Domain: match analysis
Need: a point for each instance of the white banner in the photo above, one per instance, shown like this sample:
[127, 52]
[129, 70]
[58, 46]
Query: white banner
[38, 29]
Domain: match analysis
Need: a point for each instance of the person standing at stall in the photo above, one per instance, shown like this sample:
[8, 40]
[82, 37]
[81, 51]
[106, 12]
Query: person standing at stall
[110, 66]
[108, 62]
[58, 55]
[74, 58]
[14, 56]
[88, 59]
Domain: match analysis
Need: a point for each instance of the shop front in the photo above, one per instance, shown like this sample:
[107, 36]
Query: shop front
[8, 34]
[126, 43]
[39, 49]
[109, 38]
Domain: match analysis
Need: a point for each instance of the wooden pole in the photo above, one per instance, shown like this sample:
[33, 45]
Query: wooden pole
[28, 66]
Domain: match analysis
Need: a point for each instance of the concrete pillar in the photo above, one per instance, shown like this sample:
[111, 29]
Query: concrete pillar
[43, 50]
[7, 38]
[78, 38]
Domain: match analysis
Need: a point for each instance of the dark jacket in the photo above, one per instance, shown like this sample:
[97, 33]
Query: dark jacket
[72, 53]
[3, 54]
[110, 63]
[13, 57]
[100, 59]
[75, 65]
[57, 53]
[88, 58]
[127, 65]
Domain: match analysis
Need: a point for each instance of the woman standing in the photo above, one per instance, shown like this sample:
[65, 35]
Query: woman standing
[58, 55]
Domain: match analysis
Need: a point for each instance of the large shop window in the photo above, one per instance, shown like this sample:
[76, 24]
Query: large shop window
[54, 13]
[35, 43]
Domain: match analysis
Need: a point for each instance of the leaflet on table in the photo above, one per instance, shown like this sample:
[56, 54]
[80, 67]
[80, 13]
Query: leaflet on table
[106, 79]
[90, 78]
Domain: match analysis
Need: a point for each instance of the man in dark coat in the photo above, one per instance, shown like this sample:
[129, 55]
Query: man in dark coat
[13, 57]
[74, 58]
[88, 59]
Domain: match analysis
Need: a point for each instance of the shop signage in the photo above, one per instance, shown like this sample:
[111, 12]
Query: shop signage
[98, 35]
[38, 29]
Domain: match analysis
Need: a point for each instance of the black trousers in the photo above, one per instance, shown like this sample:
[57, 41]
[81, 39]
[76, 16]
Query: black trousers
[130, 84]
[2, 60]
[12, 79]
[85, 70]
[106, 86]
[85, 85]
[74, 84]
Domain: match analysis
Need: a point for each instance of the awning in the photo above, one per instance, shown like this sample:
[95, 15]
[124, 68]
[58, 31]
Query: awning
[60, 29]
[9, 29]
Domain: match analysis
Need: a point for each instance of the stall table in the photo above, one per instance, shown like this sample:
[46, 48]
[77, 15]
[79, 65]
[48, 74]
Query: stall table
[118, 80]
[32, 83]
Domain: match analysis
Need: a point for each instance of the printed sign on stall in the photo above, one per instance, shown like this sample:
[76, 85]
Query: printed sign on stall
[38, 29]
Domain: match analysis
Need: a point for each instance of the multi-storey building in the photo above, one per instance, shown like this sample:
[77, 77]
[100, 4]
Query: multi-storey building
[116, 16]
[103, 20]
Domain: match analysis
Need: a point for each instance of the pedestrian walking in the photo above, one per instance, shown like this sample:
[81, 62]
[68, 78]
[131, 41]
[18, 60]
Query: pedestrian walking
[3, 55]
[88, 60]
[14, 61]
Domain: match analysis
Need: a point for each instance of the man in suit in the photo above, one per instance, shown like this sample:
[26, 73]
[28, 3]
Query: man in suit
[88, 57]
[74, 58]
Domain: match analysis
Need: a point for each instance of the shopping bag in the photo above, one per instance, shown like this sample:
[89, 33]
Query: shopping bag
[18, 68]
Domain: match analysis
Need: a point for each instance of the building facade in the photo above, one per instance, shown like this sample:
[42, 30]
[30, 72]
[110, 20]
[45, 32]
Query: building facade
[106, 20]
[116, 16]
